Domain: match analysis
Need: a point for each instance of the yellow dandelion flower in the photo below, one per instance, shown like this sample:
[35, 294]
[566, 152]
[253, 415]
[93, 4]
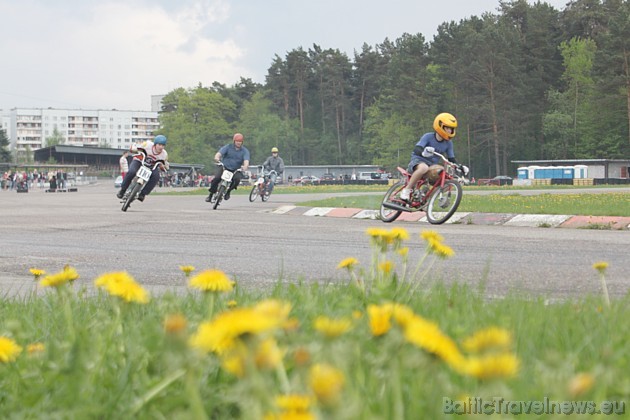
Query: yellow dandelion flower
[440, 250]
[581, 384]
[175, 323]
[487, 338]
[9, 350]
[402, 314]
[290, 415]
[377, 232]
[291, 324]
[399, 234]
[326, 382]
[187, 269]
[37, 273]
[130, 292]
[431, 235]
[220, 334]
[332, 328]
[68, 274]
[380, 319]
[294, 402]
[232, 303]
[428, 336]
[234, 364]
[386, 266]
[301, 356]
[600, 266]
[121, 284]
[35, 348]
[268, 355]
[211, 281]
[348, 263]
[108, 279]
[274, 308]
[403, 251]
[492, 366]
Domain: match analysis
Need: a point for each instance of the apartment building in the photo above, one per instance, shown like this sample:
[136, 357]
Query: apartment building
[29, 129]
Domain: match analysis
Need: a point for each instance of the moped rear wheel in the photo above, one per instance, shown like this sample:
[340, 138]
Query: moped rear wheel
[135, 190]
[253, 194]
[389, 215]
[444, 202]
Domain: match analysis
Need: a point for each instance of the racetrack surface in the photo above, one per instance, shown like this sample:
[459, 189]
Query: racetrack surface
[256, 247]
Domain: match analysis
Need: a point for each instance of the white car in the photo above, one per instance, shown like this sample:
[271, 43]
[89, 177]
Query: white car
[118, 181]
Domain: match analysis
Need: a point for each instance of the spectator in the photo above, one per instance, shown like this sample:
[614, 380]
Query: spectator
[124, 164]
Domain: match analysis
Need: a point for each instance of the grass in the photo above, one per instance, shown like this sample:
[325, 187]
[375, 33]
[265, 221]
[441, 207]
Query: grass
[338, 350]
[604, 204]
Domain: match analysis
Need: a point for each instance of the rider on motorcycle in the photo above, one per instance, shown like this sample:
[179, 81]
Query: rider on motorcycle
[273, 163]
[155, 151]
[233, 156]
[422, 156]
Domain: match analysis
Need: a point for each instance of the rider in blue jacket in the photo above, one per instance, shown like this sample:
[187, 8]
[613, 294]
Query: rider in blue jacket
[234, 156]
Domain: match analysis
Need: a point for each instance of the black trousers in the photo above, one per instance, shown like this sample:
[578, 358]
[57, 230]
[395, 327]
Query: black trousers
[133, 169]
[214, 184]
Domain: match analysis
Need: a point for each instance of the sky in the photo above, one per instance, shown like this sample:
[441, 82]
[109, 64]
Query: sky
[115, 54]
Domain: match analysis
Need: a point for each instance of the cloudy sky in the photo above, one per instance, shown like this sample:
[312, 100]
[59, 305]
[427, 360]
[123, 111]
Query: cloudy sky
[104, 54]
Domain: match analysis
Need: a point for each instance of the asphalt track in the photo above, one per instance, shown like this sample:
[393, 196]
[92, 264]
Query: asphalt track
[259, 244]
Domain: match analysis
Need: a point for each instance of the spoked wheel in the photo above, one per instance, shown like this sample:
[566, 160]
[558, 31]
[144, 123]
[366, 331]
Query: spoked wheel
[135, 190]
[265, 194]
[253, 194]
[389, 215]
[219, 196]
[444, 202]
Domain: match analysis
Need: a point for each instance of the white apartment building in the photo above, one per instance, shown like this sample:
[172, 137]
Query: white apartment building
[30, 128]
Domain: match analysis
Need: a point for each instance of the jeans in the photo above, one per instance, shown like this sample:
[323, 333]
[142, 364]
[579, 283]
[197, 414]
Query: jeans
[133, 169]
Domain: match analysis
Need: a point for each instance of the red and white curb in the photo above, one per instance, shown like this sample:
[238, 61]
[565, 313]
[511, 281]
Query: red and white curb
[525, 220]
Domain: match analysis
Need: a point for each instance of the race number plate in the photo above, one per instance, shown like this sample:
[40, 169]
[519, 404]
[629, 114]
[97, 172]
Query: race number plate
[227, 175]
[144, 173]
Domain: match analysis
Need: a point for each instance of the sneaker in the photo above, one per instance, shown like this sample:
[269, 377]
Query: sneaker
[120, 194]
[405, 194]
[141, 197]
[209, 198]
[226, 197]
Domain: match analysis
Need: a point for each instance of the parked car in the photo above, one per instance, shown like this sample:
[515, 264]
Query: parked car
[306, 179]
[328, 177]
[118, 181]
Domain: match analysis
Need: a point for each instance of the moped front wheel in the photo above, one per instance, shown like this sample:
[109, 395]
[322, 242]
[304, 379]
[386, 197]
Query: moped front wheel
[135, 190]
[444, 202]
[253, 194]
[220, 194]
[388, 215]
[265, 194]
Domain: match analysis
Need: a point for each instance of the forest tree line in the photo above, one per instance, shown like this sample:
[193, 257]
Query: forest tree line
[525, 82]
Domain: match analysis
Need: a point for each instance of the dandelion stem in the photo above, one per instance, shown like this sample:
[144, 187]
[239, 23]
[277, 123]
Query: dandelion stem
[602, 278]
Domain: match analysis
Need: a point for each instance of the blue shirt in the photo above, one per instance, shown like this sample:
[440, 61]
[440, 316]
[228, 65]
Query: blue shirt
[444, 147]
[232, 157]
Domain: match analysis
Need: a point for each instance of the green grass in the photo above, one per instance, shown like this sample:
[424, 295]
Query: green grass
[104, 358]
[604, 204]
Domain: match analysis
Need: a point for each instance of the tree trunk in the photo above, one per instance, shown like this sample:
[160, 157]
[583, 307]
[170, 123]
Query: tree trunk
[495, 130]
[626, 68]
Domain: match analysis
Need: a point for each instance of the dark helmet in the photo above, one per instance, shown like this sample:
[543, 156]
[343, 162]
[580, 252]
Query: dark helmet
[160, 139]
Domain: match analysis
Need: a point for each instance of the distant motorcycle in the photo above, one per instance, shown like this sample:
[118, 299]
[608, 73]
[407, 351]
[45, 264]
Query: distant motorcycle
[226, 180]
[261, 186]
[142, 177]
[438, 193]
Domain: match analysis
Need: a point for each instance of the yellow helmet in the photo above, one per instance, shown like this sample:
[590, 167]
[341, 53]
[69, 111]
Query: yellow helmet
[274, 150]
[445, 120]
